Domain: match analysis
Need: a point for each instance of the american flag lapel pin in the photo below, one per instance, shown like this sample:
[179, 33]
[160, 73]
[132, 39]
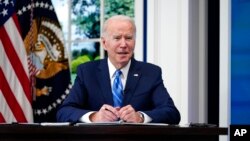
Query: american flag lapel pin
[136, 74]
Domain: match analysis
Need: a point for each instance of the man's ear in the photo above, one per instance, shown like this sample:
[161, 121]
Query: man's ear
[103, 42]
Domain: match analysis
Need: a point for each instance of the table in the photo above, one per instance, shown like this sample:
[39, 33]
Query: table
[123, 132]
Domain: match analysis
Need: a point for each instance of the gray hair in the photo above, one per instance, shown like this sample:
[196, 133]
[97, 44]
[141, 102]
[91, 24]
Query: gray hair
[117, 17]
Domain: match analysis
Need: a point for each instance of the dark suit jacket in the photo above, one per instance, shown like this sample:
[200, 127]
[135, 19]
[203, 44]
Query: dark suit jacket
[144, 91]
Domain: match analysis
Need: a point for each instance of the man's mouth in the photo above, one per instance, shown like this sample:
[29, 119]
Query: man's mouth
[122, 53]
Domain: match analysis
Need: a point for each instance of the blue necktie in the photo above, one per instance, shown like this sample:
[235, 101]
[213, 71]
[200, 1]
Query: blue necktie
[117, 89]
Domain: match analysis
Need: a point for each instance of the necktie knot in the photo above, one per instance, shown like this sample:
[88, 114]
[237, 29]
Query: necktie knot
[118, 73]
[117, 89]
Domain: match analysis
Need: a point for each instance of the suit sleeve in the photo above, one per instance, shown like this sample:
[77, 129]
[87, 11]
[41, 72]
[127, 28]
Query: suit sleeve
[71, 109]
[164, 110]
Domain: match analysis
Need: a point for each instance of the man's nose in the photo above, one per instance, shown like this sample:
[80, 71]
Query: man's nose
[123, 42]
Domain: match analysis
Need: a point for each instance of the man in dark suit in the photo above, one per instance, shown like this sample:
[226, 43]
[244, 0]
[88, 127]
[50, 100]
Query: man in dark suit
[119, 87]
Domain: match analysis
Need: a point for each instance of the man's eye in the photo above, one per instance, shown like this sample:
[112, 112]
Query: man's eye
[116, 38]
[129, 38]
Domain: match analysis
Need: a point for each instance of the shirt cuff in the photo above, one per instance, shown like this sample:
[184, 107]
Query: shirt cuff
[85, 117]
[147, 118]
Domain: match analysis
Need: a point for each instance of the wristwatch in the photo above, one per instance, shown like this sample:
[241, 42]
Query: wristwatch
[141, 116]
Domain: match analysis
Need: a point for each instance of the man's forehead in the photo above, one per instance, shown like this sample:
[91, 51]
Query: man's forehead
[122, 34]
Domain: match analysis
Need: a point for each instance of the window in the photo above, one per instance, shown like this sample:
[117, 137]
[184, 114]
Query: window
[81, 22]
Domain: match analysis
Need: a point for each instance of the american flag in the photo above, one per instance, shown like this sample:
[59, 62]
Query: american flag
[47, 57]
[15, 89]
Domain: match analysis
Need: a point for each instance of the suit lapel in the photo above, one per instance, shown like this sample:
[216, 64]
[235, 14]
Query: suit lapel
[104, 82]
[134, 75]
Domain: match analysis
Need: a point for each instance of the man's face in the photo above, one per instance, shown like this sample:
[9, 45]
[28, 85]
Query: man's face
[119, 42]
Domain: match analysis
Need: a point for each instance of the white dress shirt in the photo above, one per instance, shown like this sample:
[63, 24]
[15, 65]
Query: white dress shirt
[112, 69]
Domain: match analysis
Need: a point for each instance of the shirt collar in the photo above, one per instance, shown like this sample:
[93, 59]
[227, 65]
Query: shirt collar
[124, 70]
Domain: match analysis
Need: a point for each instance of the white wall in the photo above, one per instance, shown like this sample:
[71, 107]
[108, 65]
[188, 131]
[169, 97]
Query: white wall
[177, 42]
[225, 51]
[139, 27]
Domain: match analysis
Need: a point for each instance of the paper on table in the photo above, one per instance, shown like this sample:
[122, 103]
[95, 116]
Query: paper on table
[122, 123]
[150, 124]
[99, 123]
[55, 123]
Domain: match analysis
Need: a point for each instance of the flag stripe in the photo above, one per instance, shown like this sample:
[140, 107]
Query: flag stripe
[11, 53]
[6, 114]
[1, 118]
[14, 84]
[15, 19]
[11, 27]
[11, 100]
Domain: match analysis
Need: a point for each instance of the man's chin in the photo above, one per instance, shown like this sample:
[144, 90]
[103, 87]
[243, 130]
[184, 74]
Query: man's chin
[124, 62]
